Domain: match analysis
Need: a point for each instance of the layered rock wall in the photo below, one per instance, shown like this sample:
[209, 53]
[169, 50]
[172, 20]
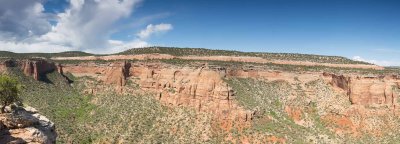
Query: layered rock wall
[368, 90]
[201, 88]
[30, 67]
[36, 68]
[110, 73]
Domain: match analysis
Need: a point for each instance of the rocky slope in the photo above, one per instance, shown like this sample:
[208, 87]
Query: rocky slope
[25, 125]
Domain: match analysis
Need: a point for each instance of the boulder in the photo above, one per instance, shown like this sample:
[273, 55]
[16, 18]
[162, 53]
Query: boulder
[22, 126]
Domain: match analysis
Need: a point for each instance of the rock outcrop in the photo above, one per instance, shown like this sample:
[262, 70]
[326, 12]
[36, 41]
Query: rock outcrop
[367, 90]
[25, 125]
[109, 73]
[36, 68]
[117, 73]
[5, 64]
[200, 88]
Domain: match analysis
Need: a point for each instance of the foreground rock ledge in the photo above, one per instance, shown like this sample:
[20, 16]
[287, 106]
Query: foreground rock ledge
[24, 125]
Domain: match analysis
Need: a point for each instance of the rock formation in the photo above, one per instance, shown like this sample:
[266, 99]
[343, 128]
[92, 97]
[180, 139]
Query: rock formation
[116, 73]
[25, 125]
[200, 88]
[31, 67]
[36, 68]
[367, 90]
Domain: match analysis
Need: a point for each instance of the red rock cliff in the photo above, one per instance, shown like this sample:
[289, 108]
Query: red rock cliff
[367, 90]
[36, 68]
[201, 88]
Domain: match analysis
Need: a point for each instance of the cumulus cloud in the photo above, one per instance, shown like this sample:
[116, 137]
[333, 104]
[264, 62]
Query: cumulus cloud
[377, 62]
[88, 23]
[20, 19]
[85, 25]
[154, 29]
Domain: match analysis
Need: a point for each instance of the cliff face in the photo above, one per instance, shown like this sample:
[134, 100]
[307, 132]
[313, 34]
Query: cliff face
[357, 104]
[368, 90]
[116, 73]
[5, 64]
[109, 73]
[25, 125]
[373, 104]
[200, 88]
[36, 68]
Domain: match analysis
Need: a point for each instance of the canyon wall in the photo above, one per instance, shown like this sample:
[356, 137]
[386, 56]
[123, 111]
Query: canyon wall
[35, 68]
[202, 87]
[205, 83]
[368, 90]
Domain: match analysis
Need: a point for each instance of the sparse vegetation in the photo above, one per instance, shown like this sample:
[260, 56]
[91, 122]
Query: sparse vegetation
[136, 117]
[109, 117]
[194, 51]
[270, 99]
[270, 56]
[6, 54]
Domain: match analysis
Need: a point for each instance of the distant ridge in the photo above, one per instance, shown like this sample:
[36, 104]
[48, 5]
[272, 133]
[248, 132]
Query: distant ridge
[7, 54]
[176, 51]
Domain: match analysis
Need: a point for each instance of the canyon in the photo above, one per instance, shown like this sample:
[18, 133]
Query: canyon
[202, 87]
[349, 104]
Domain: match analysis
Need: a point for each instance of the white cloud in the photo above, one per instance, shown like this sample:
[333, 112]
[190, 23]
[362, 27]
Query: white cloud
[86, 25]
[28, 47]
[377, 62]
[20, 19]
[154, 29]
[119, 46]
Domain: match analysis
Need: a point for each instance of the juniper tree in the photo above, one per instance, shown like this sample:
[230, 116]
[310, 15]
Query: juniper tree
[9, 91]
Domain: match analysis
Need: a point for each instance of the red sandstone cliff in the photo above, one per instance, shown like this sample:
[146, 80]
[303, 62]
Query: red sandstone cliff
[34, 68]
[368, 90]
[203, 88]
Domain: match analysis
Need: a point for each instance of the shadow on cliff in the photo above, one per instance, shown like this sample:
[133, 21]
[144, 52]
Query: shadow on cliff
[52, 77]
[44, 78]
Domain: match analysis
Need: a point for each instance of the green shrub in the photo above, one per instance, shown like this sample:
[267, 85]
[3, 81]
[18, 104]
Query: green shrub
[9, 91]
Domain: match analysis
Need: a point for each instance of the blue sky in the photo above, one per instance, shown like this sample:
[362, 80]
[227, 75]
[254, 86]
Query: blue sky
[366, 30]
